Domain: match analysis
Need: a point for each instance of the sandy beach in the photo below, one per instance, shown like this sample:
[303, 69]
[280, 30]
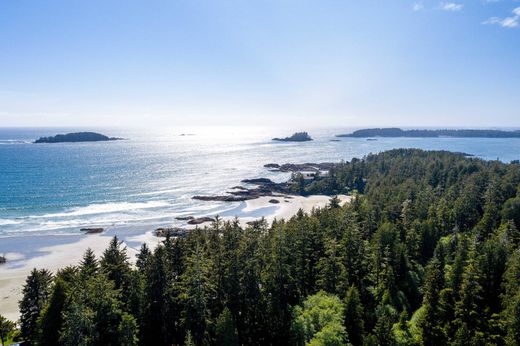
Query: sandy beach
[54, 252]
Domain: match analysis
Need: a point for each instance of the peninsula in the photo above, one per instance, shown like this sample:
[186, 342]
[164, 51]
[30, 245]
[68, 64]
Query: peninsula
[296, 137]
[460, 133]
[76, 137]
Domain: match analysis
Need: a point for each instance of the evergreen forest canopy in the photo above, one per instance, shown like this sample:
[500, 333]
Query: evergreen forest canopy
[427, 253]
[397, 132]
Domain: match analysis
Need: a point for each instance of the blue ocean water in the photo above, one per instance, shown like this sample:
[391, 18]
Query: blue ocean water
[148, 179]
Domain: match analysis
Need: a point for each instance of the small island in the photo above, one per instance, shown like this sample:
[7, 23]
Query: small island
[76, 137]
[460, 133]
[296, 137]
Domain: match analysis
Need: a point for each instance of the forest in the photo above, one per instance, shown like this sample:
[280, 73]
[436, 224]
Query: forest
[426, 253]
[459, 133]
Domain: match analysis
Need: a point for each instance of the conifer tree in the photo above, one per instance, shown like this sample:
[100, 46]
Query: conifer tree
[468, 315]
[142, 257]
[35, 294]
[354, 323]
[431, 326]
[225, 329]
[89, 264]
[195, 296]
[51, 319]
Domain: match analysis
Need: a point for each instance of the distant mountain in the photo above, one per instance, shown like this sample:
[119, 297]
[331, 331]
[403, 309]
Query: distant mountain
[296, 137]
[397, 132]
[76, 137]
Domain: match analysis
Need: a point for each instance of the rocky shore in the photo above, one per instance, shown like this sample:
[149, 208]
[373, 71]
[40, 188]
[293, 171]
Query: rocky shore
[265, 187]
[300, 167]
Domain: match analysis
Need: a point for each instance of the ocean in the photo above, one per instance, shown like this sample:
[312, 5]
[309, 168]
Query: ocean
[148, 179]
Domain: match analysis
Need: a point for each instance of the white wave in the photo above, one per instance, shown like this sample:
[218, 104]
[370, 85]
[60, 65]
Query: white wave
[14, 141]
[7, 222]
[104, 208]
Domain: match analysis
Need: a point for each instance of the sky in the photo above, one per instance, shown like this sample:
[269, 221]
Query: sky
[272, 62]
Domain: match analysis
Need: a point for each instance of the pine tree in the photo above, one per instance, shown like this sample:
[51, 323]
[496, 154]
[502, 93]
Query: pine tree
[35, 294]
[89, 264]
[51, 320]
[78, 326]
[334, 202]
[115, 265]
[142, 257]
[225, 330]
[195, 296]
[512, 319]
[153, 321]
[331, 271]
[468, 315]
[354, 323]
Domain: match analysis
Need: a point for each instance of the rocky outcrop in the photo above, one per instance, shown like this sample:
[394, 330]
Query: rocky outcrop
[264, 187]
[2, 260]
[267, 187]
[184, 218]
[200, 220]
[274, 201]
[224, 198]
[92, 230]
[76, 137]
[172, 232]
[300, 167]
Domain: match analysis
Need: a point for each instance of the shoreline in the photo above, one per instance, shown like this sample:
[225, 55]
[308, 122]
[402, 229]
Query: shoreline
[54, 252]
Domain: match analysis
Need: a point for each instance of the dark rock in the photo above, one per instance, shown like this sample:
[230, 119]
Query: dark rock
[238, 187]
[299, 167]
[172, 232]
[76, 137]
[225, 198]
[184, 218]
[258, 181]
[265, 187]
[2, 260]
[92, 230]
[200, 220]
[274, 201]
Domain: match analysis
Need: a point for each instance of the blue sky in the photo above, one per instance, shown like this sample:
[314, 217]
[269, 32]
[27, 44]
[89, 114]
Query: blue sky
[246, 62]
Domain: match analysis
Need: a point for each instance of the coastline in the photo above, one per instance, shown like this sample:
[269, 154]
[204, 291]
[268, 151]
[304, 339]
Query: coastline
[55, 252]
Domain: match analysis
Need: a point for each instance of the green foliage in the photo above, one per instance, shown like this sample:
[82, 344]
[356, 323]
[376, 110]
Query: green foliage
[320, 321]
[225, 330]
[427, 253]
[35, 294]
[354, 323]
[51, 320]
[6, 329]
[511, 210]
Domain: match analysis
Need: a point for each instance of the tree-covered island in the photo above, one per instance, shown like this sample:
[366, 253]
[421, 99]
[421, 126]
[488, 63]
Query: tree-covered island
[461, 133]
[77, 137]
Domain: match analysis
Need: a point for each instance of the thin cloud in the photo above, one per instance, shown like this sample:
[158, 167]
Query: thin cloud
[451, 6]
[418, 6]
[507, 22]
